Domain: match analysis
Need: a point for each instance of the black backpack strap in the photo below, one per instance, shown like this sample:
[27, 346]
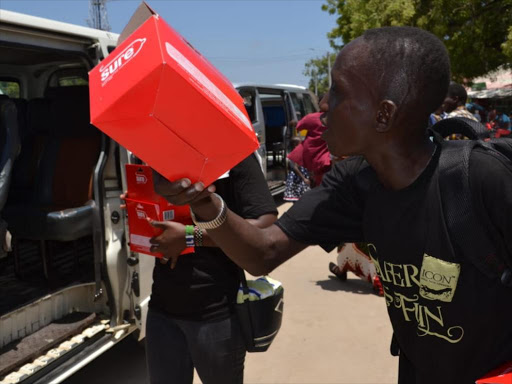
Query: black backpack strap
[461, 125]
[464, 228]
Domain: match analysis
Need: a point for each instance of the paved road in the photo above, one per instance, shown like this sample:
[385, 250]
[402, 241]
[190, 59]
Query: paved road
[332, 333]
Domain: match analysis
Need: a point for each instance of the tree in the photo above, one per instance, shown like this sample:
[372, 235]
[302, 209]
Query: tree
[10, 88]
[507, 45]
[317, 70]
[477, 34]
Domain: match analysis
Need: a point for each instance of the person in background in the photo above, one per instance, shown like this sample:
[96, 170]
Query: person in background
[316, 156]
[298, 180]
[437, 115]
[491, 120]
[455, 102]
[355, 258]
[502, 120]
[477, 115]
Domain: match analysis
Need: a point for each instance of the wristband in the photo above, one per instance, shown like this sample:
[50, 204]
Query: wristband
[198, 236]
[189, 235]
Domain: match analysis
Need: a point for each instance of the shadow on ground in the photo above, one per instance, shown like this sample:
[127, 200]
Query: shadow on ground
[351, 285]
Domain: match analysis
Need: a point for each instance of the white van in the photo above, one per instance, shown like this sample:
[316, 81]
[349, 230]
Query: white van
[70, 289]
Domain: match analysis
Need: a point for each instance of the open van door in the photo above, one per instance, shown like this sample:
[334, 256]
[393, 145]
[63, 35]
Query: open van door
[254, 109]
[140, 266]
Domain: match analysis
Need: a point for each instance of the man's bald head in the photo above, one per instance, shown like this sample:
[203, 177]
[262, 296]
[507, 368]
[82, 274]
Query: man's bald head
[409, 66]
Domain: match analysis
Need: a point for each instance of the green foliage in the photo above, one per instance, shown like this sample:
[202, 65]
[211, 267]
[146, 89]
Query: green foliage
[10, 88]
[318, 71]
[507, 45]
[477, 34]
[72, 80]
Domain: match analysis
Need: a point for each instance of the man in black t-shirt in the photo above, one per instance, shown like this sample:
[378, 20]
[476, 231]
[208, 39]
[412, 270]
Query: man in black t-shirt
[191, 322]
[451, 322]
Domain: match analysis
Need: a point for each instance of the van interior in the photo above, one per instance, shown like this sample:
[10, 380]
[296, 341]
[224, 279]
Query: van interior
[277, 136]
[49, 154]
[275, 124]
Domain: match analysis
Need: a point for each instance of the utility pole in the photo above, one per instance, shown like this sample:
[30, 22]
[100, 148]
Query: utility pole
[98, 15]
[329, 68]
[315, 78]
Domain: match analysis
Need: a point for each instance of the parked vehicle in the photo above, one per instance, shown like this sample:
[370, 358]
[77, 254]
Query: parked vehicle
[274, 111]
[70, 289]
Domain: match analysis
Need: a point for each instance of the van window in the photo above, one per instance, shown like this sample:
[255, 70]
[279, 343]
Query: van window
[10, 88]
[249, 104]
[71, 80]
[298, 106]
[308, 104]
[68, 78]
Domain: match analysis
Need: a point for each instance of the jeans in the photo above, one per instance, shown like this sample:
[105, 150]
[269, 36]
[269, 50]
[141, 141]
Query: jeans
[216, 350]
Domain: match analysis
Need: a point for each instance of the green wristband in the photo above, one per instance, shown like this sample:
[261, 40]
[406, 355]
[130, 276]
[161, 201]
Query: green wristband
[189, 230]
[189, 235]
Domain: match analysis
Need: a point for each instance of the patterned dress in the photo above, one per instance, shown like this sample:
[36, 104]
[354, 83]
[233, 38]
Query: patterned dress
[295, 186]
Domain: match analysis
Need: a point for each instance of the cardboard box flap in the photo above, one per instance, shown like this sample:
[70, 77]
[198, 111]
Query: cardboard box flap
[143, 12]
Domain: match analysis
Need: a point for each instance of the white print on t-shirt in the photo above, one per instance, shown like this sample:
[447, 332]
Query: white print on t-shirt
[206, 85]
[436, 281]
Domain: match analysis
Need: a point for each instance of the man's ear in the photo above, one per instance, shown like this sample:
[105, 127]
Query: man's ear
[385, 116]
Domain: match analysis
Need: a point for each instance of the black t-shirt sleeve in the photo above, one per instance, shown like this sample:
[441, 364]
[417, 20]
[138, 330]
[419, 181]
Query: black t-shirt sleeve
[491, 188]
[251, 196]
[330, 213]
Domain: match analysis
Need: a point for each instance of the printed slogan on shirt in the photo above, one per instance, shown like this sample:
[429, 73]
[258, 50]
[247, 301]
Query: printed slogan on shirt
[436, 282]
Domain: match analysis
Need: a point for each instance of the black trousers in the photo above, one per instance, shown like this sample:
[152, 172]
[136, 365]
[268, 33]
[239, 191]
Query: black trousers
[174, 348]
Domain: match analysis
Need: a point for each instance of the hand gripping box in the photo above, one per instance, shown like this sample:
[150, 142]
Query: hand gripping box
[143, 203]
[159, 98]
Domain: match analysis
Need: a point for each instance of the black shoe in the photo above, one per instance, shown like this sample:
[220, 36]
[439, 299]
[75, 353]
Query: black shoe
[335, 270]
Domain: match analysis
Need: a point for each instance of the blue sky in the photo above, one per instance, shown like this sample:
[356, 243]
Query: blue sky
[263, 41]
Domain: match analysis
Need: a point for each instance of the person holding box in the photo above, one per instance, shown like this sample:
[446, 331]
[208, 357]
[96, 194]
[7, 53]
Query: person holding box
[451, 321]
[191, 323]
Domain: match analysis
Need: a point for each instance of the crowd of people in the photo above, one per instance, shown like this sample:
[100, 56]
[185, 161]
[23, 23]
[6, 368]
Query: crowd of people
[455, 105]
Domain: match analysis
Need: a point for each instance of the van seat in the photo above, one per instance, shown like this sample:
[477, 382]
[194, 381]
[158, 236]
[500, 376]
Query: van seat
[275, 131]
[61, 208]
[9, 145]
[34, 134]
[79, 93]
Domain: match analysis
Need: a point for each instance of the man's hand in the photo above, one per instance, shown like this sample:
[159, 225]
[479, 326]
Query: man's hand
[180, 192]
[171, 242]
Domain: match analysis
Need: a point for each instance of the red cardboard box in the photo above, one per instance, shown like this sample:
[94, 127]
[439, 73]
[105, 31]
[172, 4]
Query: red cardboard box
[139, 181]
[501, 375]
[159, 98]
[141, 231]
[144, 203]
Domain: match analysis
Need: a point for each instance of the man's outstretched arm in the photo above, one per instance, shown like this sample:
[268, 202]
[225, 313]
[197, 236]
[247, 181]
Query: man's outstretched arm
[256, 250]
